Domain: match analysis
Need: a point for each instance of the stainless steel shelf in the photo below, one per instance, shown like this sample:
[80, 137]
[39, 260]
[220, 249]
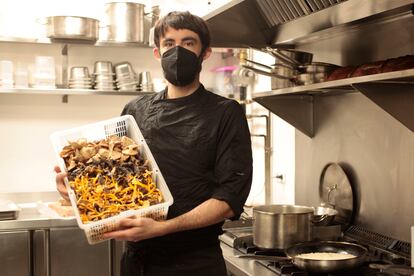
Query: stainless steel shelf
[393, 92]
[65, 91]
[344, 85]
[98, 43]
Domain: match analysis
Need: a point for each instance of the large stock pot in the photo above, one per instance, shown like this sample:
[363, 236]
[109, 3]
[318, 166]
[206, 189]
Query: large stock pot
[281, 226]
[125, 22]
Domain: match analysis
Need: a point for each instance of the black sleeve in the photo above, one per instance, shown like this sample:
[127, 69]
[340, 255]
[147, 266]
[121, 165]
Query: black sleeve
[127, 110]
[233, 167]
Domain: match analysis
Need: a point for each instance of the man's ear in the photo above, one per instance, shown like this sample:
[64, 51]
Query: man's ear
[156, 52]
[207, 53]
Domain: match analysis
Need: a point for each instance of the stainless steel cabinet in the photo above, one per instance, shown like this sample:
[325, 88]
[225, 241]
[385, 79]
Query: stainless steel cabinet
[57, 252]
[70, 254]
[14, 253]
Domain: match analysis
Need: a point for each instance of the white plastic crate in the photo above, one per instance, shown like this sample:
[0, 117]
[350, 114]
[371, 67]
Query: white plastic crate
[121, 126]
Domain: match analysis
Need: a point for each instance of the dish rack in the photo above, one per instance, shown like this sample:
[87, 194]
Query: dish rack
[120, 126]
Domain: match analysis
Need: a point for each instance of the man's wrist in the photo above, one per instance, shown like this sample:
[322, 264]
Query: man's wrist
[167, 227]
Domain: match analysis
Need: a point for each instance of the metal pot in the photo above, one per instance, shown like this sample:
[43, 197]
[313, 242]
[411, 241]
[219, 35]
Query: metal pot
[277, 83]
[311, 78]
[72, 27]
[125, 22]
[318, 67]
[281, 226]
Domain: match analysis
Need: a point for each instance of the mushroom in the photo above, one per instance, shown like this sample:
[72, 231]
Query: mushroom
[126, 141]
[87, 152]
[82, 142]
[72, 165]
[104, 153]
[115, 155]
[131, 150]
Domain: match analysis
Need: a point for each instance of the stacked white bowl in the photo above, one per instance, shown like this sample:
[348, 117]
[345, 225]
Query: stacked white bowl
[125, 77]
[80, 78]
[6, 74]
[104, 76]
[145, 82]
[44, 72]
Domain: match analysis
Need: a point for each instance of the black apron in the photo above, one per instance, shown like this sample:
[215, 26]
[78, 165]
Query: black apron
[150, 261]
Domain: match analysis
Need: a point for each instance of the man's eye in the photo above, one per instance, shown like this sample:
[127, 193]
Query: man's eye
[168, 44]
[189, 43]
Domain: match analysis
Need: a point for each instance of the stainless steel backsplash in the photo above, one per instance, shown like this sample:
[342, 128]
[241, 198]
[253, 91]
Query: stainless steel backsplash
[376, 151]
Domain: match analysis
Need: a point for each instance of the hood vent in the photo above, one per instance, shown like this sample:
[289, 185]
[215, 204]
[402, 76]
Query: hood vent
[259, 23]
[277, 12]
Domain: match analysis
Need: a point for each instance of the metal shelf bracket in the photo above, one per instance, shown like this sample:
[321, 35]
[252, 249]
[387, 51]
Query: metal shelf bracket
[397, 99]
[297, 110]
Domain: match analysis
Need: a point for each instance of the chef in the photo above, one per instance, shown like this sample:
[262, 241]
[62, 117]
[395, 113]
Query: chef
[201, 143]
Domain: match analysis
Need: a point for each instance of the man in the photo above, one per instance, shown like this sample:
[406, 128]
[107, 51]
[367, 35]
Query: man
[201, 143]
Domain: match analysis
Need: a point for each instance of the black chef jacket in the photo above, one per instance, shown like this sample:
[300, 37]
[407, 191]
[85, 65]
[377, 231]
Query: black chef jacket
[202, 146]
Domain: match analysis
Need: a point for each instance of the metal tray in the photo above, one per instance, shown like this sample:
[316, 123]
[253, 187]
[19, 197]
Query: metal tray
[8, 210]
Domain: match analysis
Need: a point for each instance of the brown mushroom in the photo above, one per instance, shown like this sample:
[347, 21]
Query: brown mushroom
[87, 152]
[126, 141]
[115, 155]
[131, 150]
[104, 153]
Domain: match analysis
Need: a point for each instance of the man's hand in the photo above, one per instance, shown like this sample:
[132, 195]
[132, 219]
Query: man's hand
[60, 184]
[137, 229]
[207, 213]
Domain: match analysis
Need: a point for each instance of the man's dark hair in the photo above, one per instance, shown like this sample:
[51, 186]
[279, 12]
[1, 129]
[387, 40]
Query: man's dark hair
[182, 20]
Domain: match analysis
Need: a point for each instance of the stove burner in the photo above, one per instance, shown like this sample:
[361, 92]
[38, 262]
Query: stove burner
[381, 250]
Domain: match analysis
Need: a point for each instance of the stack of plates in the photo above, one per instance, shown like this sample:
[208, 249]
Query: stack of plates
[8, 210]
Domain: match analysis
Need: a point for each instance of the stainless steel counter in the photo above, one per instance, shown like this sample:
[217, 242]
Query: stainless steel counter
[242, 267]
[29, 217]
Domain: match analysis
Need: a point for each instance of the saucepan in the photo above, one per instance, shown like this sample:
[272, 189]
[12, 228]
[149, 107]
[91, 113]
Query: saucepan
[321, 256]
[324, 216]
[72, 28]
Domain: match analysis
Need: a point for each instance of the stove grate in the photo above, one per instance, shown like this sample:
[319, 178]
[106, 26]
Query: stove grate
[387, 244]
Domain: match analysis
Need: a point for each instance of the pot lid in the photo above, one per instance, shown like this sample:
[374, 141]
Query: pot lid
[336, 191]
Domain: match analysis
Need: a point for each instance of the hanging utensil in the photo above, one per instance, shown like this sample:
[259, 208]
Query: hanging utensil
[293, 58]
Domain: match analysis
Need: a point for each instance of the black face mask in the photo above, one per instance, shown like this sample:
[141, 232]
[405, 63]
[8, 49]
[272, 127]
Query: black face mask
[180, 66]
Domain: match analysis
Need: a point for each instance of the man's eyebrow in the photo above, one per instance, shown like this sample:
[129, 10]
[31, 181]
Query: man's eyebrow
[167, 40]
[187, 38]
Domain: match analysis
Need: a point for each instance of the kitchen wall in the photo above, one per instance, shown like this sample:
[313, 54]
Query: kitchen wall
[26, 121]
[376, 151]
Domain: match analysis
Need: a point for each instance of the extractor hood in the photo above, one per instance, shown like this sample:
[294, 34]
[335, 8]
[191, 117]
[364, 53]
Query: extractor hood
[257, 23]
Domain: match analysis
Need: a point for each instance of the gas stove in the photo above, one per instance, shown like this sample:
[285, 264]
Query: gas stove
[381, 250]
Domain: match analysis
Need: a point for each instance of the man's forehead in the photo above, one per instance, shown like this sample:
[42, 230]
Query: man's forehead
[172, 33]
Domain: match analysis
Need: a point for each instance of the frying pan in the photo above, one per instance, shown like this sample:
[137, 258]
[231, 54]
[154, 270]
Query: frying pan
[319, 266]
